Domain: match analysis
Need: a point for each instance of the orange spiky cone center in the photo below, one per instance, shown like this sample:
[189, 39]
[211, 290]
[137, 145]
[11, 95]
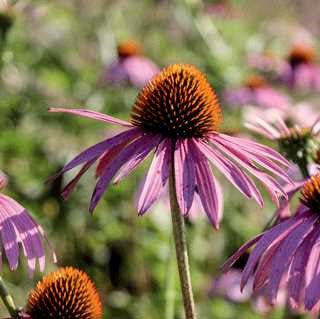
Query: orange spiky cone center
[310, 194]
[67, 293]
[178, 102]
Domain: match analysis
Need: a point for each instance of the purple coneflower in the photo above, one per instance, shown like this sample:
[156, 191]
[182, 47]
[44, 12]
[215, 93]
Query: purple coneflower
[256, 92]
[178, 115]
[299, 144]
[18, 227]
[288, 252]
[300, 69]
[131, 67]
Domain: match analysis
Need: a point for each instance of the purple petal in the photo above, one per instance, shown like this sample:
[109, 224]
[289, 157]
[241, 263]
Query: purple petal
[157, 176]
[273, 187]
[93, 115]
[234, 174]
[296, 277]
[312, 292]
[231, 260]
[68, 189]
[211, 199]
[131, 164]
[10, 244]
[109, 156]
[184, 174]
[271, 237]
[130, 152]
[263, 270]
[99, 148]
[254, 147]
[283, 257]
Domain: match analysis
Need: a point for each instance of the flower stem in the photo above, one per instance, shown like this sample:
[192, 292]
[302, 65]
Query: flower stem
[170, 295]
[8, 300]
[179, 234]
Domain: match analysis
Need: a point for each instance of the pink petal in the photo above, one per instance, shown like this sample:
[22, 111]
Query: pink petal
[273, 187]
[93, 115]
[99, 148]
[271, 237]
[231, 260]
[157, 176]
[108, 157]
[254, 147]
[67, 190]
[283, 257]
[296, 277]
[184, 174]
[130, 152]
[234, 174]
[211, 198]
[132, 163]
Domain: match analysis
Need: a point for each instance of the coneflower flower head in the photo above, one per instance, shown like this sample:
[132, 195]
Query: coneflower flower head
[178, 102]
[299, 144]
[67, 293]
[130, 67]
[257, 92]
[177, 114]
[300, 70]
[301, 54]
[289, 252]
[18, 227]
[128, 48]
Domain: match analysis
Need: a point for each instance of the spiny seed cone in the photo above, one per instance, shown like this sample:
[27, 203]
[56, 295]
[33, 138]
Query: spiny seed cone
[67, 293]
[178, 102]
[301, 54]
[310, 194]
[128, 48]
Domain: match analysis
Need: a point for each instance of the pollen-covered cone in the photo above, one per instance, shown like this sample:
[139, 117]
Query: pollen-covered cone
[67, 293]
[177, 114]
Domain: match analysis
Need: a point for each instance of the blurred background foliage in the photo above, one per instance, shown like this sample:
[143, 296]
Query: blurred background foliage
[52, 55]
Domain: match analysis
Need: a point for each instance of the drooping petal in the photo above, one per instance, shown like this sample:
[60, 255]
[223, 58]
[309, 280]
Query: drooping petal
[272, 236]
[211, 198]
[101, 147]
[108, 157]
[232, 259]
[273, 187]
[232, 172]
[132, 163]
[17, 226]
[92, 114]
[285, 252]
[312, 292]
[157, 176]
[10, 244]
[296, 277]
[184, 172]
[131, 151]
[262, 272]
[254, 147]
[67, 190]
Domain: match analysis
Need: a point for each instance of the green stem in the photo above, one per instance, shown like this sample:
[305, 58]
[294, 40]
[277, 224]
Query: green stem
[170, 295]
[179, 234]
[8, 300]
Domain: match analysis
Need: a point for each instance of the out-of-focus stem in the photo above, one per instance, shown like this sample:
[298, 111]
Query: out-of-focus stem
[8, 300]
[179, 234]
